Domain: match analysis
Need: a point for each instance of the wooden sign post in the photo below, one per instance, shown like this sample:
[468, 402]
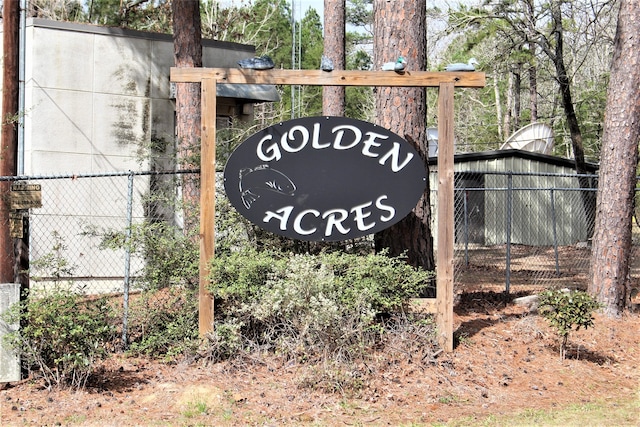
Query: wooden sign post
[207, 201]
[444, 81]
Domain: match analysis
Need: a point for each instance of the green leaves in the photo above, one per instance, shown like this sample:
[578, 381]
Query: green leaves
[565, 310]
[164, 323]
[62, 334]
[306, 305]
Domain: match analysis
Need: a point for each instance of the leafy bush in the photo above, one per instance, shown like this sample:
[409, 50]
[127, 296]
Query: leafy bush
[307, 306]
[53, 264]
[164, 323]
[163, 315]
[566, 309]
[63, 334]
[170, 257]
[163, 311]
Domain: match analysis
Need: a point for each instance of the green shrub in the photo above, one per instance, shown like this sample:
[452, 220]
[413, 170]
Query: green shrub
[238, 277]
[171, 258]
[307, 306]
[62, 335]
[164, 323]
[566, 309]
[226, 340]
[53, 264]
[387, 283]
[162, 318]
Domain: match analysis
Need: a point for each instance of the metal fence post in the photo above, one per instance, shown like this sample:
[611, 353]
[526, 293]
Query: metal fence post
[555, 233]
[465, 195]
[127, 261]
[509, 218]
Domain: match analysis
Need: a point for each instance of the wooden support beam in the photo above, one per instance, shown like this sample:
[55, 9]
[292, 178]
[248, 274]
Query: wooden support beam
[333, 78]
[444, 261]
[207, 202]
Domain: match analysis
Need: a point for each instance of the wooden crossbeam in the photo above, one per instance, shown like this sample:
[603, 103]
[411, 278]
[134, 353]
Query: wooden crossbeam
[333, 78]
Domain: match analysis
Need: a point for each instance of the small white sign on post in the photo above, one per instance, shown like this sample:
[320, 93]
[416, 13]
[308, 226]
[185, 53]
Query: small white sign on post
[9, 360]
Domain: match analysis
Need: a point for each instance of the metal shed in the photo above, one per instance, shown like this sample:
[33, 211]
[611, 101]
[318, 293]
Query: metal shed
[519, 197]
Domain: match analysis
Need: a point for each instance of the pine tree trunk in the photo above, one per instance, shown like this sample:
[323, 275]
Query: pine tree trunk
[618, 160]
[530, 20]
[333, 97]
[399, 30]
[187, 44]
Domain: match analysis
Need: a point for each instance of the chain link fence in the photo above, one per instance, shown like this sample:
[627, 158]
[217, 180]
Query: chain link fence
[82, 232]
[524, 232]
[514, 232]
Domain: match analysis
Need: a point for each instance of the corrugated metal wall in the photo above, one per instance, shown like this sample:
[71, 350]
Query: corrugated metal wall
[546, 202]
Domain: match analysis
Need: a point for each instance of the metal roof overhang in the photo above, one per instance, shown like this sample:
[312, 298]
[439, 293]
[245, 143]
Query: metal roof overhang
[523, 154]
[249, 92]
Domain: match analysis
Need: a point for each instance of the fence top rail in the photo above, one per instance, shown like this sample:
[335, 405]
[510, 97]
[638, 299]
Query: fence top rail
[524, 189]
[97, 175]
[512, 173]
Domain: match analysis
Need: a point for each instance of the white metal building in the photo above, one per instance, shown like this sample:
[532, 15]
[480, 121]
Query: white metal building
[98, 100]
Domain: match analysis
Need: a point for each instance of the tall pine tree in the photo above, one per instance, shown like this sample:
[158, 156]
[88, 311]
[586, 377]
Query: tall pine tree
[399, 30]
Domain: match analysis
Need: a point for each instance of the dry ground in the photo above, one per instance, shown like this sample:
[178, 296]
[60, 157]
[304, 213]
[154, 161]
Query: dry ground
[506, 361]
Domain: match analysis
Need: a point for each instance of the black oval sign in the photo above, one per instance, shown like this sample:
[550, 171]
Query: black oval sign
[324, 178]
